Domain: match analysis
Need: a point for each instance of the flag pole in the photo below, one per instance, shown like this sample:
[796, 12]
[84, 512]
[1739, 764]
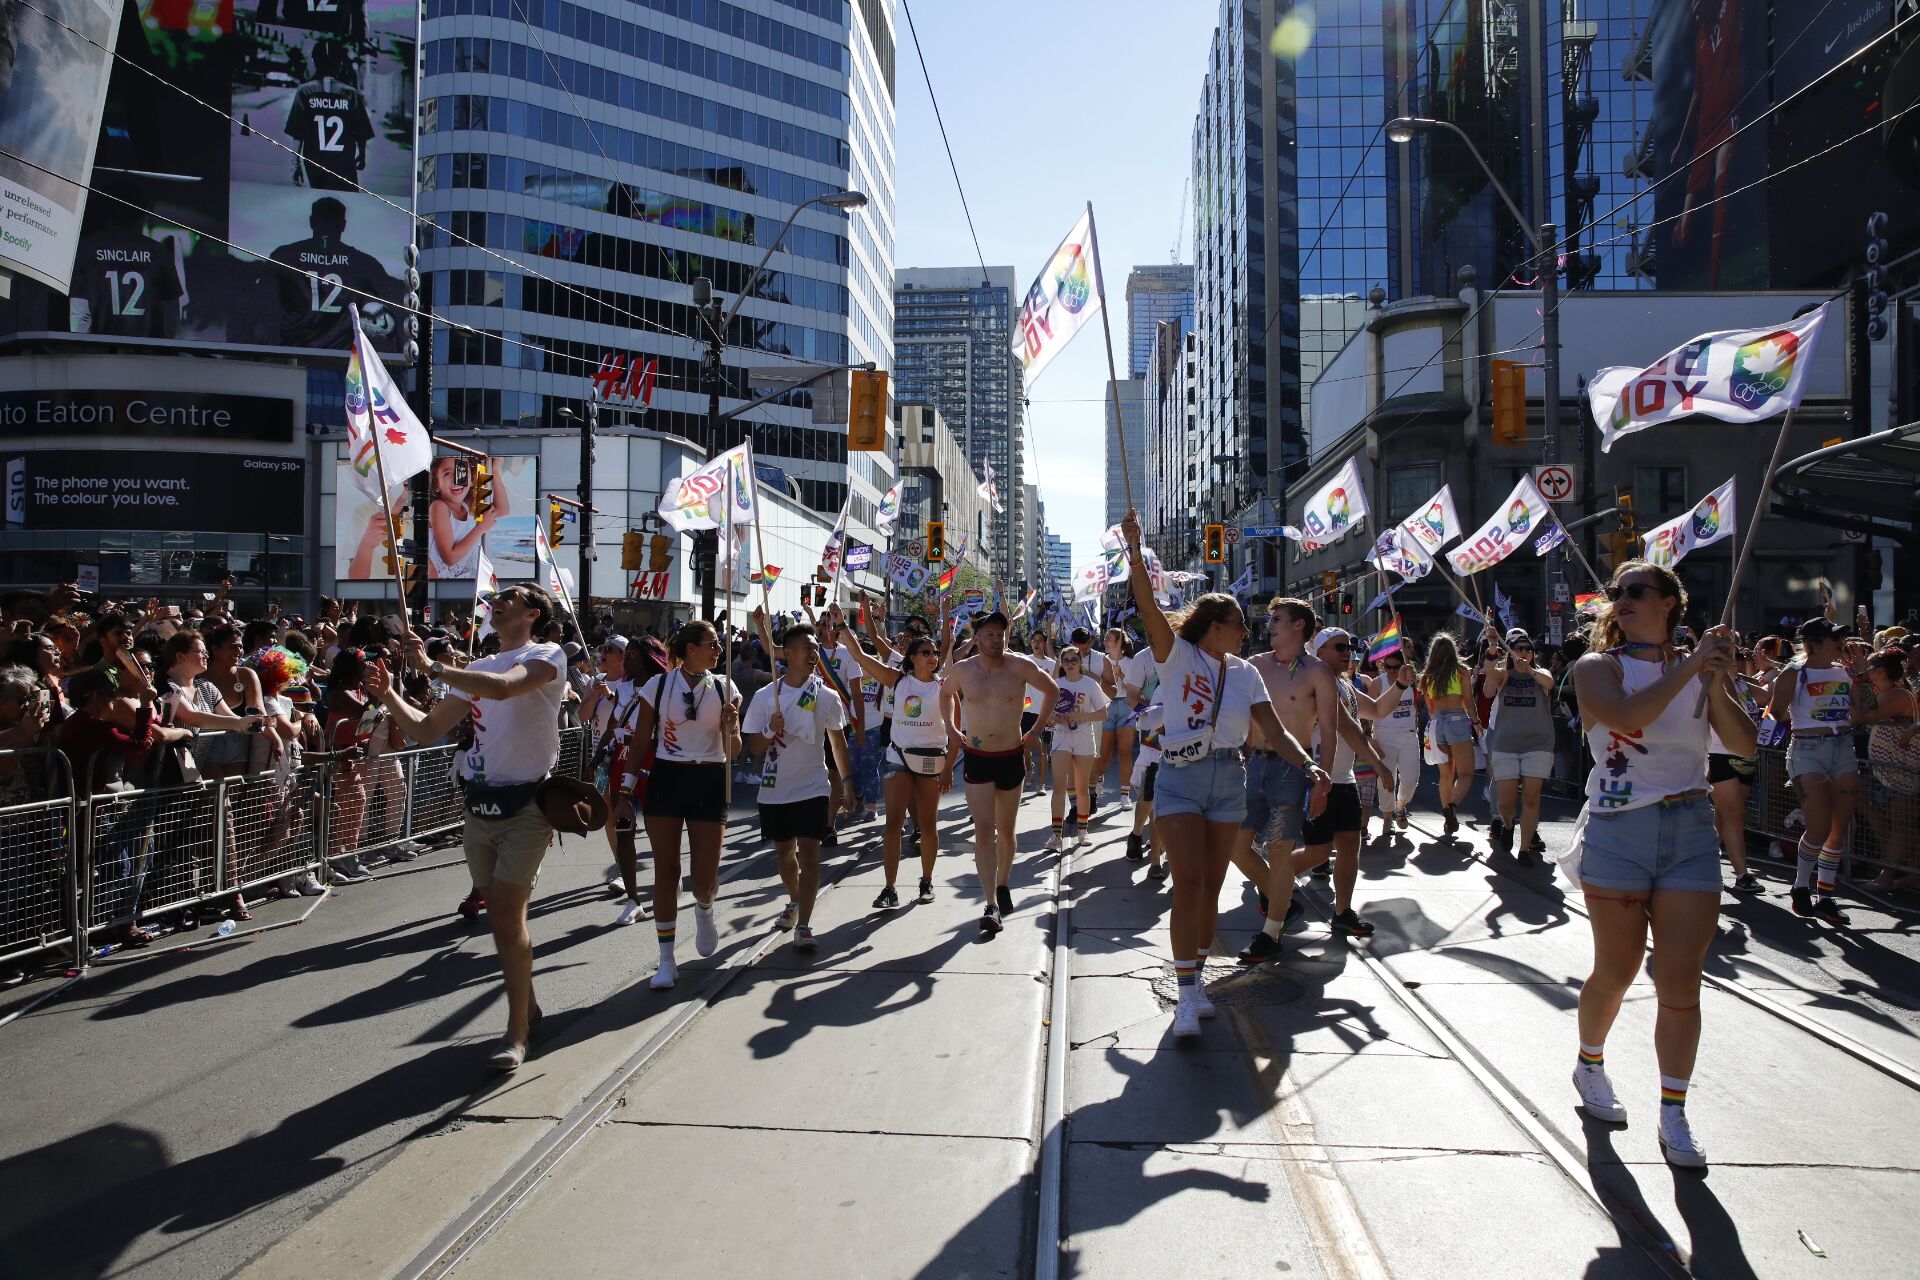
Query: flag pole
[1751, 537]
[1573, 545]
[1113, 377]
[726, 673]
[759, 542]
[473, 614]
[386, 501]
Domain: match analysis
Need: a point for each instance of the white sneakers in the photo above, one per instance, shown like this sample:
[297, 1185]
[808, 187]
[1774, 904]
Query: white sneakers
[1201, 1004]
[1126, 800]
[706, 936]
[1677, 1143]
[629, 912]
[664, 977]
[1186, 1019]
[1081, 841]
[1053, 844]
[1596, 1094]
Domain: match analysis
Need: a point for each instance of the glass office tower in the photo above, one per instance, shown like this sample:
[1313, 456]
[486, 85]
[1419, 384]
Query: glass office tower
[622, 149]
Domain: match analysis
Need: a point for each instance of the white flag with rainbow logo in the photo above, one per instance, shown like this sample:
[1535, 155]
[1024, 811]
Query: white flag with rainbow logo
[1737, 375]
[1710, 521]
[1066, 294]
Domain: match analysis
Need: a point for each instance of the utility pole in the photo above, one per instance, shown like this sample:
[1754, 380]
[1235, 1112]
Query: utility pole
[588, 425]
[418, 349]
[1547, 240]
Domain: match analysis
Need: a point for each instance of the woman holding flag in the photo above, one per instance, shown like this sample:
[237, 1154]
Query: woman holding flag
[1646, 852]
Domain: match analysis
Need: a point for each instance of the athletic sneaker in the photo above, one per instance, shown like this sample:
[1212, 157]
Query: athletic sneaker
[803, 938]
[629, 912]
[889, 898]
[1158, 872]
[706, 935]
[1400, 818]
[349, 871]
[1596, 1094]
[663, 977]
[1748, 883]
[1537, 844]
[1349, 925]
[1201, 1004]
[1452, 820]
[1500, 837]
[1003, 897]
[1803, 901]
[472, 905]
[788, 918]
[1677, 1143]
[926, 890]
[911, 840]
[1126, 801]
[403, 853]
[990, 922]
[307, 886]
[1053, 844]
[1186, 1020]
[1136, 848]
[1082, 840]
[831, 840]
[1263, 948]
[1324, 870]
[1093, 801]
[1825, 908]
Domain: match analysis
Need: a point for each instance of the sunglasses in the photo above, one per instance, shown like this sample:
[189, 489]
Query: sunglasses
[1338, 646]
[1635, 590]
[1392, 666]
[1521, 648]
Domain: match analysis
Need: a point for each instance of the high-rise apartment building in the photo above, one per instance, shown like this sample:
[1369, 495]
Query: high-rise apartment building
[1060, 564]
[1173, 467]
[953, 349]
[628, 148]
[1155, 294]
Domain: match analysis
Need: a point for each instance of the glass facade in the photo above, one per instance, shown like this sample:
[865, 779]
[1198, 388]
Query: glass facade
[1155, 294]
[953, 349]
[1132, 393]
[612, 152]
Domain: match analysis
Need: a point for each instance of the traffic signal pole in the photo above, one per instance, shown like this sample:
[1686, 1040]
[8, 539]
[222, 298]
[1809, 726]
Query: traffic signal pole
[588, 425]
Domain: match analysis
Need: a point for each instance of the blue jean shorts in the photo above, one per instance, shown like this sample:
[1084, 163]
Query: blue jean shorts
[1214, 786]
[1656, 846]
[1117, 712]
[1450, 727]
[1831, 755]
[1276, 798]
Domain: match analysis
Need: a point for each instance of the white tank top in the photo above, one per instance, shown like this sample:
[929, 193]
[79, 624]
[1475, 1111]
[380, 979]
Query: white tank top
[1341, 770]
[1744, 692]
[1822, 698]
[1401, 720]
[1668, 757]
[469, 564]
[917, 721]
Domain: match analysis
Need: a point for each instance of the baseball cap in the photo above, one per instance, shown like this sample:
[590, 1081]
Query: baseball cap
[614, 642]
[1325, 634]
[1814, 630]
[1518, 633]
[573, 651]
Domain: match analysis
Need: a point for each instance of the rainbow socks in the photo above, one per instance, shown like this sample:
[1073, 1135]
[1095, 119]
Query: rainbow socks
[1593, 1055]
[664, 930]
[1184, 972]
[1805, 856]
[1673, 1091]
[1059, 830]
[1829, 864]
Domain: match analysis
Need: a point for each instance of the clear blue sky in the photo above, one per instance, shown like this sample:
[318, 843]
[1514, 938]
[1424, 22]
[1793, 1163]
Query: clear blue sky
[1050, 104]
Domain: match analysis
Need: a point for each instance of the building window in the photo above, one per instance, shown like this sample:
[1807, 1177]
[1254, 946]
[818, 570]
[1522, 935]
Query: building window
[1659, 493]
[1408, 487]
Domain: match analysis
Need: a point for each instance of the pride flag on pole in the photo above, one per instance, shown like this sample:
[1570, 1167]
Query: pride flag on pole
[945, 581]
[1066, 294]
[1588, 602]
[1388, 641]
[1710, 521]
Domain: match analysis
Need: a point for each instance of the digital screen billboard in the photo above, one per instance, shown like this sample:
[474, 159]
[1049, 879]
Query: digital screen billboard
[453, 533]
[257, 223]
[163, 492]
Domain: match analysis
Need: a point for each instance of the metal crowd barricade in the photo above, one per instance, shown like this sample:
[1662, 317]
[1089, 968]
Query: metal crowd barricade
[39, 869]
[1886, 827]
[94, 860]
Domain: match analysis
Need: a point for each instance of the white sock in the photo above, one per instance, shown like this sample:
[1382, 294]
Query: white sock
[666, 951]
[1272, 927]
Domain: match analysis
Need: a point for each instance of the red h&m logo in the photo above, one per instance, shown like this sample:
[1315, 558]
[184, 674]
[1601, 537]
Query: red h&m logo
[622, 377]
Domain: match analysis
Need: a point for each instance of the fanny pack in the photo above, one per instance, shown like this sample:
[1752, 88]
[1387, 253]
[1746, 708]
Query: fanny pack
[1201, 747]
[928, 762]
[484, 800]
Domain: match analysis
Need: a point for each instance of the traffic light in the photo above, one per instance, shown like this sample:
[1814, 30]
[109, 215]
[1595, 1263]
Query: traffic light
[936, 541]
[556, 523]
[392, 559]
[1346, 603]
[1509, 402]
[400, 569]
[658, 548]
[482, 497]
[1615, 550]
[1876, 277]
[1214, 543]
[1627, 526]
[630, 550]
[867, 411]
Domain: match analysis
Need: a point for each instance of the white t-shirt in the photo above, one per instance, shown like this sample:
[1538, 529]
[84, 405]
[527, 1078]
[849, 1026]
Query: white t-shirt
[795, 767]
[1402, 719]
[1048, 665]
[516, 739]
[1142, 672]
[1149, 723]
[917, 718]
[1187, 692]
[690, 738]
[841, 658]
[1083, 694]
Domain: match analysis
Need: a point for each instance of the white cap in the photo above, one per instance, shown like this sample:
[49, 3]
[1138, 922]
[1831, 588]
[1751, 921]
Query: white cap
[1323, 635]
[614, 642]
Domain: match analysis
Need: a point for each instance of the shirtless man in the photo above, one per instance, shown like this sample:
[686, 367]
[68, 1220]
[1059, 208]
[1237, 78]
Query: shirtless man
[1308, 704]
[1336, 831]
[991, 686]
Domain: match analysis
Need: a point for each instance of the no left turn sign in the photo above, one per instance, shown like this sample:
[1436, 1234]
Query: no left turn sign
[1554, 481]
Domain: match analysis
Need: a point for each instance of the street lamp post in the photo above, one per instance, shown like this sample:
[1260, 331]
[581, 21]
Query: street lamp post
[1402, 130]
[588, 426]
[716, 320]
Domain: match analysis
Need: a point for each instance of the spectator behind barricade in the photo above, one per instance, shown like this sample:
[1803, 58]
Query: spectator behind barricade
[1893, 757]
[25, 717]
[348, 723]
[41, 656]
[100, 751]
[112, 634]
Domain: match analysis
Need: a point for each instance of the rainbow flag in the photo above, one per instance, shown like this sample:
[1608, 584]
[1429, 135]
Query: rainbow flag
[765, 576]
[1587, 602]
[945, 582]
[1388, 641]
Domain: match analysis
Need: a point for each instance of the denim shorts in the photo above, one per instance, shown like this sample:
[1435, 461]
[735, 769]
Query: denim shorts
[1276, 798]
[1656, 846]
[1507, 766]
[1450, 727]
[1831, 755]
[1214, 786]
[1117, 712]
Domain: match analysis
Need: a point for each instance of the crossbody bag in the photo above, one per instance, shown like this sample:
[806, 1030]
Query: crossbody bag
[1202, 746]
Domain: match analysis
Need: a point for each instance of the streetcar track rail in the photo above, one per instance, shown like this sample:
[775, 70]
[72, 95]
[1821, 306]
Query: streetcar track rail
[1834, 1038]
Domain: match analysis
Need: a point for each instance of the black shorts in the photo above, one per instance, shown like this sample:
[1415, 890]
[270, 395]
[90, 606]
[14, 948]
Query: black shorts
[1006, 770]
[796, 820]
[695, 791]
[1146, 782]
[1726, 768]
[1027, 720]
[1341, 815]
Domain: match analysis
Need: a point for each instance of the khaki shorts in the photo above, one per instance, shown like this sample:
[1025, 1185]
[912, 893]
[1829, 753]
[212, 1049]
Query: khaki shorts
[509, 849]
